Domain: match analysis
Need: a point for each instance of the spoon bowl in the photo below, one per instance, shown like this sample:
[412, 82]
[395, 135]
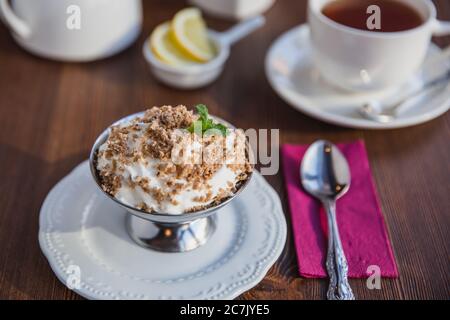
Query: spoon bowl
[324, 171]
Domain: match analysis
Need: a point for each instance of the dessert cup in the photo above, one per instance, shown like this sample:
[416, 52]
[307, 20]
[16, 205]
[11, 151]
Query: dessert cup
[160, 231]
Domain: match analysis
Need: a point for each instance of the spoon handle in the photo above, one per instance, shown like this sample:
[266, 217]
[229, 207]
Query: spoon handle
[241, 30]
[431, 83]
[336, 263]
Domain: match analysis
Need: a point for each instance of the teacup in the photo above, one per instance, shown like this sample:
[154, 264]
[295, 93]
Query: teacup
[363, 60]
[73, 30]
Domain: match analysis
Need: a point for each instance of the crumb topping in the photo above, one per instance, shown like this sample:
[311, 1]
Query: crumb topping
[153, 156]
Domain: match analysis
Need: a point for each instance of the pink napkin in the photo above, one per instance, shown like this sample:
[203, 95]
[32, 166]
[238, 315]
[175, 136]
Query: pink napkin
[361, 225]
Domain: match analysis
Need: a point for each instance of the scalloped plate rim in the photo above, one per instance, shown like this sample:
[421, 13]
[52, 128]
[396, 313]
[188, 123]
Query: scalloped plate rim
[280, 242]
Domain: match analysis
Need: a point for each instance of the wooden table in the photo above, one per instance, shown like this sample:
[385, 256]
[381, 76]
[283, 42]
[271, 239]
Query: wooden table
[51, 112]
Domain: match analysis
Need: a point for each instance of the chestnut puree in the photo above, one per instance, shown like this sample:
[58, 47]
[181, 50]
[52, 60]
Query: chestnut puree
[394, 15]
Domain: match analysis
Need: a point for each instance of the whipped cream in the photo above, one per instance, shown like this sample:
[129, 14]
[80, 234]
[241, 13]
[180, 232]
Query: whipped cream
[156, 167]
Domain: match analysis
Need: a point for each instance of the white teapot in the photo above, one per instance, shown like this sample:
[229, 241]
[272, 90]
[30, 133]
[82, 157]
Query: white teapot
[73, 30]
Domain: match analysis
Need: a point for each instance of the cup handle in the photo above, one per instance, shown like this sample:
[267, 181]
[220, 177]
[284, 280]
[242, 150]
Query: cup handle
[441, 28]
[17, 25]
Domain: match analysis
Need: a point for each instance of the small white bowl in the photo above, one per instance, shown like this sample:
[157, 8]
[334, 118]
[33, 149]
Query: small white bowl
[190, 76]
[200, 74]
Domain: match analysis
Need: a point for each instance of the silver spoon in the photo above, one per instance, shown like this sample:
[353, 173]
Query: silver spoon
[325, 174]
[374, 110]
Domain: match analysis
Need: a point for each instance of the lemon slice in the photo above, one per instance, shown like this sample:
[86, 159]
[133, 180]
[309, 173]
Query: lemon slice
[164, 47]
[189, 31]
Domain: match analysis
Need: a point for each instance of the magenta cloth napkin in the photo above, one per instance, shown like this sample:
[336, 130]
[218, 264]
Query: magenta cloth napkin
[361, 224]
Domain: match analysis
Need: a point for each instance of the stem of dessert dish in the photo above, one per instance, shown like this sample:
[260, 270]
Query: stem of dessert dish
[171, 237]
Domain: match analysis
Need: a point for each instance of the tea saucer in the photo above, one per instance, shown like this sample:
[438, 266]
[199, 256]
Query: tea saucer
[290, 71]
[82, 234]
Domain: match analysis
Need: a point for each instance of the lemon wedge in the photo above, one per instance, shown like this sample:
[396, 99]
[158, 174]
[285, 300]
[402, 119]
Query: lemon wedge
[165, 48]
[190, 33]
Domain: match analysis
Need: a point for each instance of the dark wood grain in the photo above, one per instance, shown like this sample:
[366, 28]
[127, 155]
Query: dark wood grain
[50, 113]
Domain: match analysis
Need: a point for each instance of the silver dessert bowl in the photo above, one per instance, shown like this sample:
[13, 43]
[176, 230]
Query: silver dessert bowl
[162, 231]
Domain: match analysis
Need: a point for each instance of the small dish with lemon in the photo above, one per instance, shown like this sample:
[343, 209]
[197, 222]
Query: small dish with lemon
[183, 53]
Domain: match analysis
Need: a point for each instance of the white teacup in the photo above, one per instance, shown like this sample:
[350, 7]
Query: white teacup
[73, 30]
[359, 60]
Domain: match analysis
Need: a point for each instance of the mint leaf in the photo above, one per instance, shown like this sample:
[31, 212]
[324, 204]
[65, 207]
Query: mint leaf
[202, 110]
[205, 123]
[196, 125]
[222, 128]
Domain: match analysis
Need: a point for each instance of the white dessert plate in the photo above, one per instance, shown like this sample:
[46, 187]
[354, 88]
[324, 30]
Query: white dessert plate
[290, 71]
[82, 234]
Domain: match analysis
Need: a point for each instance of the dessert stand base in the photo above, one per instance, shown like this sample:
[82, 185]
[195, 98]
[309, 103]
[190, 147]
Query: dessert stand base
[170, 237]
